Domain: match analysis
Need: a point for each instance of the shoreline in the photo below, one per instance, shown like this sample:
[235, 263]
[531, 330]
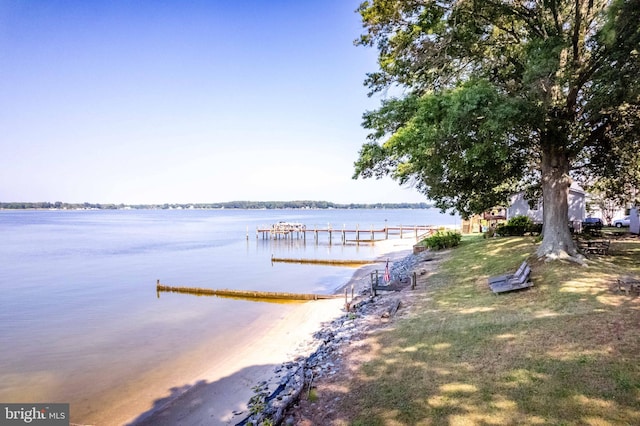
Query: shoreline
[221, 395]
[395, 250]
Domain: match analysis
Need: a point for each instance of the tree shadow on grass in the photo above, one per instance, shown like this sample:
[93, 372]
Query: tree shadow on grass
[544, 371]
[565, 352]
[222, 402]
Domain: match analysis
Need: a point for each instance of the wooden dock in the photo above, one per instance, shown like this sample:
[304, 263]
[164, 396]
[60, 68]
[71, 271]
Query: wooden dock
[358, 235]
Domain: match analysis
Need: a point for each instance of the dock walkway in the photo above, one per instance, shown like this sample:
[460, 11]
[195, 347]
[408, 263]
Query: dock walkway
[283, 230]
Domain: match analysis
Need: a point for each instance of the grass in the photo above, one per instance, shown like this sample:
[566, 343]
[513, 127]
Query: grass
[566, 352]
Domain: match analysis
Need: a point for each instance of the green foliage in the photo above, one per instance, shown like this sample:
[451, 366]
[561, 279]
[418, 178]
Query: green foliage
[517, 226]
[455, 146]
[501, 96]
[257, 402]
[523, 221]
[442, 240]
[313, 395]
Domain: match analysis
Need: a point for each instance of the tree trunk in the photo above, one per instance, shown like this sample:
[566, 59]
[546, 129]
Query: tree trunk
[556, 236]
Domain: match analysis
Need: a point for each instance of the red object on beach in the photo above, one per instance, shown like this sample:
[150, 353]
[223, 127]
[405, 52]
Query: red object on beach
[387, 276]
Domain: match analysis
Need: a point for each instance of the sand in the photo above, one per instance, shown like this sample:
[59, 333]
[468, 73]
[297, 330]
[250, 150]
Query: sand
[220, 395]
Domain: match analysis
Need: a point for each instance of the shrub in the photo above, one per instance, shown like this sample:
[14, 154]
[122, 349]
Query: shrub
[524, 221]
[506, 230]
[441, 240]
[517, 226]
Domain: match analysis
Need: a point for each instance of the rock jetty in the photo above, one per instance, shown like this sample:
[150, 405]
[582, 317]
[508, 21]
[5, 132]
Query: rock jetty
[272, 399]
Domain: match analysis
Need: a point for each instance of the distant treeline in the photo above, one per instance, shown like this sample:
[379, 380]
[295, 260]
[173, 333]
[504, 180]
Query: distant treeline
[303, 204]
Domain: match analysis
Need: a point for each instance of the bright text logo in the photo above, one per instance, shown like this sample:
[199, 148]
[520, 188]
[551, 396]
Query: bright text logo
[35, 414]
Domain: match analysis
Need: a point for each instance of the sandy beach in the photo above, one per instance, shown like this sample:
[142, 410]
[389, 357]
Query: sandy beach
[219, 396]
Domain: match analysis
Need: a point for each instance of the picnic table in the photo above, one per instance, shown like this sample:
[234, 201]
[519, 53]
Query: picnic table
[629, 283]
[594, 246]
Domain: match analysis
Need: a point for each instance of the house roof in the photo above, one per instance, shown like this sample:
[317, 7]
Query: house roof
[577, 188]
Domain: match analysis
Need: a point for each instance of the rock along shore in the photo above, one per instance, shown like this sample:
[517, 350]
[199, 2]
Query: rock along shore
[274, 400]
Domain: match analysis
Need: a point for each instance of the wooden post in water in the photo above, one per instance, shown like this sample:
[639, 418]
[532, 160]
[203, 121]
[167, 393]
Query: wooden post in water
[416, 229]
[373, 286]
[401, 231]
[358, 234]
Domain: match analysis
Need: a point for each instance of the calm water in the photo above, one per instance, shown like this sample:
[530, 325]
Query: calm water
[79, 313]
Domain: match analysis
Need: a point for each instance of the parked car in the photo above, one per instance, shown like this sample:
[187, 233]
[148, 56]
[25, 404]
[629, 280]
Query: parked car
[619, 223]
[592, 223]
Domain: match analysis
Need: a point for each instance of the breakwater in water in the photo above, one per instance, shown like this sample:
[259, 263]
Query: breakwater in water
[243, 294]
[334, 262]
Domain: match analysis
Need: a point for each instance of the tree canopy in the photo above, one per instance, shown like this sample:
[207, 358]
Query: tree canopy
[499, 96]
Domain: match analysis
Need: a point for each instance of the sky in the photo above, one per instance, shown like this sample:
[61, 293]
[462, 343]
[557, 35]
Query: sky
[184, 101]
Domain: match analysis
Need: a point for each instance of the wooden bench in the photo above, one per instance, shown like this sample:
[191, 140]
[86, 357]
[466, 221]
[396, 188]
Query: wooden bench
[509, 282]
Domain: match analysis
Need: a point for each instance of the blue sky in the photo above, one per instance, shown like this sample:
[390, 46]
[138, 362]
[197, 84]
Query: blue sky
[185, 101]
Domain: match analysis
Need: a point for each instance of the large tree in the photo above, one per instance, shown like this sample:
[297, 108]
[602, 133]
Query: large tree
[498, 96]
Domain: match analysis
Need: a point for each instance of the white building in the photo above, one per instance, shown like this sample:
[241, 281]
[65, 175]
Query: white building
[519, 206]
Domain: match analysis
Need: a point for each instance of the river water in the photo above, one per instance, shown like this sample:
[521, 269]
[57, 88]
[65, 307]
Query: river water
[80, 318]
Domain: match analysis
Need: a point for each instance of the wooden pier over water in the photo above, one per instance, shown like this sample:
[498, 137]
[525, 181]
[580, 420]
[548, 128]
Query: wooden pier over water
[358, 235]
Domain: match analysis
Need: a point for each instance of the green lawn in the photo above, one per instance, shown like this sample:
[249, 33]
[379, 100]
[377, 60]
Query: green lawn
[565, 352]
